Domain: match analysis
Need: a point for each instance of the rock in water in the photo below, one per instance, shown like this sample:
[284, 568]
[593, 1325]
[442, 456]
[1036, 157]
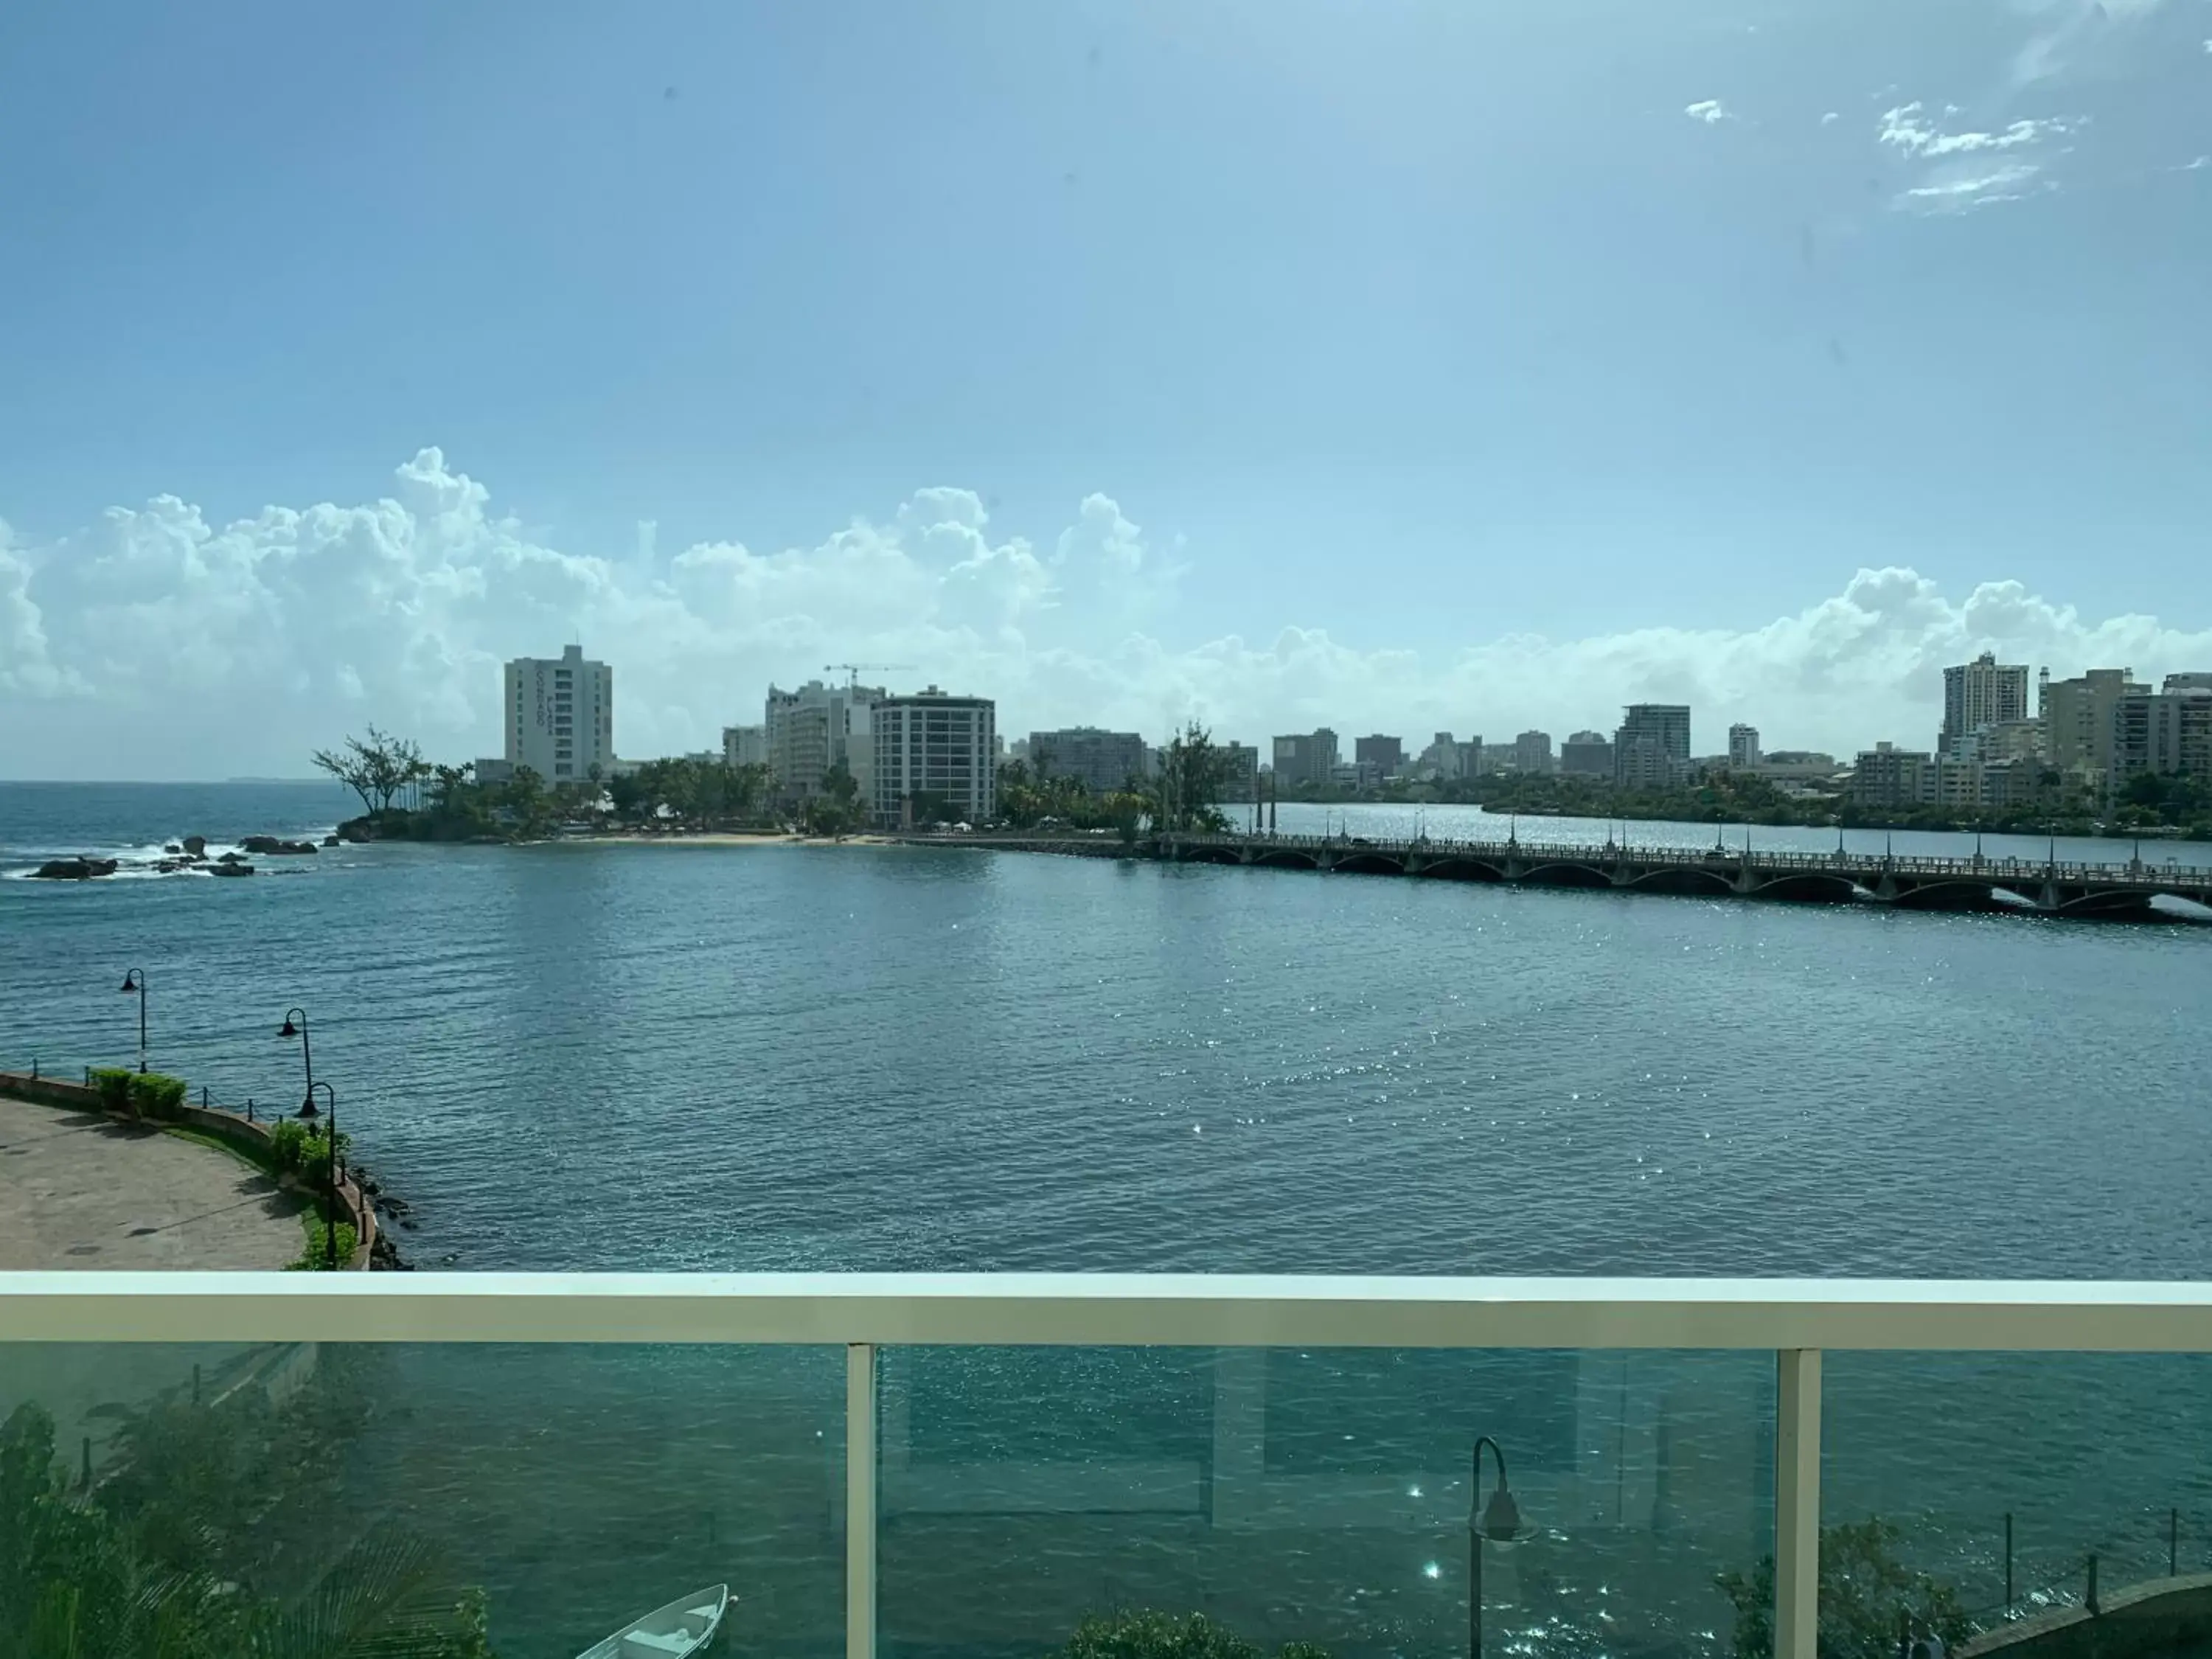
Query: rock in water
[226, 868]
[174, 847]
[330, 840]
[196, 845]
[73, 869]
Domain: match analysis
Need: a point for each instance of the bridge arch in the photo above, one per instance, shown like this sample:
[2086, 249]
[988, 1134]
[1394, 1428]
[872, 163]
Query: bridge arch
[1688, 879]
[1454, 869]
[1286, 857]
[1567, 875]
[1946, 896]
[1210, 855]
[1810, 888]
[1369, 864]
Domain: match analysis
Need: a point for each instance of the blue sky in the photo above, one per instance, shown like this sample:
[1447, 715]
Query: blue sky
[1614, 332]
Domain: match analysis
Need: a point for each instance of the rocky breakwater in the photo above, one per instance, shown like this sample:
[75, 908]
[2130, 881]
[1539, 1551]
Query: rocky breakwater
[186, 855]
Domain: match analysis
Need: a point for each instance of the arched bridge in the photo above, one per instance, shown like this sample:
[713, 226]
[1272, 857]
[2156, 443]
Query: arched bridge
[2050, 887]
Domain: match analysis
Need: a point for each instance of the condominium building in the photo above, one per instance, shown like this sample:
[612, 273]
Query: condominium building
[1887, 775]
[1101, 762]
[1743, 746]
[2077, 721]
[745, 746]
[2168, 733]
[1532, 753]
[811, 729]
[561, 716]
[1386, 755]
[1310, 758]
[1586, 755]
[933, 759]
[1983, 692]
[1651, 746]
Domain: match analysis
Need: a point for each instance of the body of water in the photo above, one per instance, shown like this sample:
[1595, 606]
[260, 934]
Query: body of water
[690, 1057]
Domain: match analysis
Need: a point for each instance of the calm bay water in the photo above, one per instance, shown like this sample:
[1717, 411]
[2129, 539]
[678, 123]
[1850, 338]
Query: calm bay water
[690, 1057]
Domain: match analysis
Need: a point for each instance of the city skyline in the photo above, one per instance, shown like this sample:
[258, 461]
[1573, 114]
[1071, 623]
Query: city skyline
[156, 643]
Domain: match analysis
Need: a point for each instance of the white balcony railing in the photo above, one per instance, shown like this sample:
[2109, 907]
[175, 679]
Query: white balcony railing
[1797, 1320]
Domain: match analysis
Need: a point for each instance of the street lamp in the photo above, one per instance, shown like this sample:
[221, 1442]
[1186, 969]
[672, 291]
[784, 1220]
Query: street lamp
[308, 1114]
[135, 979]
[299, 1028]
[1500, 1523]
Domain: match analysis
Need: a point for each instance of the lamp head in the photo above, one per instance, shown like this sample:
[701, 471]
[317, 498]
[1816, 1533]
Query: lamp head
[129, 982]
[308, 1109]
[1501, 1520]
[287, 1030]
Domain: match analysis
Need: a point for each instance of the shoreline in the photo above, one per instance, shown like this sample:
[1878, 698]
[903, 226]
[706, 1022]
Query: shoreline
[709, 838]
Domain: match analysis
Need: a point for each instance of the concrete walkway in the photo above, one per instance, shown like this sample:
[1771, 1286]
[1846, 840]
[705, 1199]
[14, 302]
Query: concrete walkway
[81, 1191]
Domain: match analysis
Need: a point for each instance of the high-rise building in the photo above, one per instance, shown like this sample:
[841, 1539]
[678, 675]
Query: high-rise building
[1983, 692]
[1444, 757]
[1386, 755]
[1651, 747]
[933, 759]
[1307, 759]
[1101, 762]
[745, 746]
[1532, 753]
[1586, 755]
[561, 716]
[2167, 732]
[2077, 722]
[2199, 681]
[812, 728]
[1743, 745]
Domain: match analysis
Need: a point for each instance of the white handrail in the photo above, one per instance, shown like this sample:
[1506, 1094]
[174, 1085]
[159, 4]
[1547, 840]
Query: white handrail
[1110, 1310]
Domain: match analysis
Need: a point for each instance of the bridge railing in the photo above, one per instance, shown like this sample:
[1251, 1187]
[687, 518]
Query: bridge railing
[1251, 1418]
[2172, 876]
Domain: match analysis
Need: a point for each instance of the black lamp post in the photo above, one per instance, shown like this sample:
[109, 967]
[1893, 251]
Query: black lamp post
[135, 979]
[1500, 1523]
[298, 1028]
[308, 1114]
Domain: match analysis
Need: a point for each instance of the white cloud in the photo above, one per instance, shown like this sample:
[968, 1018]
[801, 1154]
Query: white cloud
[1906, 130]
[155, 644]
[1963, 189]
[1831, 119]
[1709, 110]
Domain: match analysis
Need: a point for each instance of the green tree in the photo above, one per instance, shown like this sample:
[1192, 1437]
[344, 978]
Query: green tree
[836, 809]
[376, 767]
[1867, 1597]
[1187, 797]
[1148, 1635]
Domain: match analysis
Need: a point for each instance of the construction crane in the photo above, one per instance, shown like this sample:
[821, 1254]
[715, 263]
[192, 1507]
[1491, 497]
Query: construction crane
[853, 670]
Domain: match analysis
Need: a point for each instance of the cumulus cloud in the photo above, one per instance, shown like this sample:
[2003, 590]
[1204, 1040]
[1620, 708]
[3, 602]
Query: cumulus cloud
[1907, 128]
[1709, 110]
[154, 643]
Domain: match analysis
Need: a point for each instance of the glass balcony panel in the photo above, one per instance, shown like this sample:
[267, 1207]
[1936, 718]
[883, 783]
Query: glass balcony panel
[572, 1488]
[1319, 1496]
[1926, 1456]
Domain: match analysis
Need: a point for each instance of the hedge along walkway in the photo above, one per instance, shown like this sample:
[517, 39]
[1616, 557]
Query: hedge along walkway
[78, 1189]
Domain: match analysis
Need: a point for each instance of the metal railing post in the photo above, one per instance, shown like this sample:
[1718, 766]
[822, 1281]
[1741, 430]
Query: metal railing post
[1797, 1503]
[860, 1500]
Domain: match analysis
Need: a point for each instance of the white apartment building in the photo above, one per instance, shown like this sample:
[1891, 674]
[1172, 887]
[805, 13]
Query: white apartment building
[561, 716]
[808, 731]
[935, 756]
[1743, 746]
[1983, 692]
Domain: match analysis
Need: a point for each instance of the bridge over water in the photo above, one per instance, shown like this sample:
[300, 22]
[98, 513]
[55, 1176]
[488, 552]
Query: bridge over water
[2048, 887]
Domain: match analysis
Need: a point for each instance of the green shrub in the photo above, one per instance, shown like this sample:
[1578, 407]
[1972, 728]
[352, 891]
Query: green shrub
[287, 1143]
[153, 1095]
[314, 1255]
[1148, 1635]
[113, 1083]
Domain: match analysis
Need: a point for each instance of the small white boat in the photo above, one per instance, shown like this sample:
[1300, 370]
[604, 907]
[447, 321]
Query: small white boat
[686, 1625]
